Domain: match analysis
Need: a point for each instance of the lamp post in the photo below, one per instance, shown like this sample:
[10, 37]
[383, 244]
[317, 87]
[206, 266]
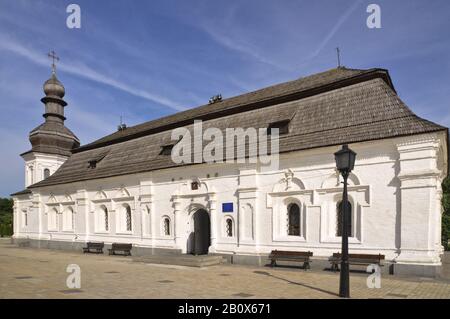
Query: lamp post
[345, 161]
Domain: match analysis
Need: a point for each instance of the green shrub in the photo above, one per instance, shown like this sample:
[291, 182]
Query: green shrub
[446, 214]
[6, 217]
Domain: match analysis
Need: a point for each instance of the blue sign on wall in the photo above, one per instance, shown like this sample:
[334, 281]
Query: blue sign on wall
[227, 207]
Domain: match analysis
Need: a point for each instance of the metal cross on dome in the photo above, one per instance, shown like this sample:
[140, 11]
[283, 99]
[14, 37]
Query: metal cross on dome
[52, 55]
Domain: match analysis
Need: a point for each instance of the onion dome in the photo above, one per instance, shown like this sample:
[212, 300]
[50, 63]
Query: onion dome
[52, 87]
[52, 136]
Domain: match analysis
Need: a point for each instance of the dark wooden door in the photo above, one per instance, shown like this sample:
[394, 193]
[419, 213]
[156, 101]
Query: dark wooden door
[202, 232]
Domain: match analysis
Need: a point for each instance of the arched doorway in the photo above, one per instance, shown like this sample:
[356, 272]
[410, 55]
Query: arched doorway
[202, 232]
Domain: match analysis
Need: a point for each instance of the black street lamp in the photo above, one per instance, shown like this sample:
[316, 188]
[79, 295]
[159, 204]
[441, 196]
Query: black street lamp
[345, 161]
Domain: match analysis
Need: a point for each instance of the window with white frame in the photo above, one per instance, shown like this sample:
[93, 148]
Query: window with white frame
[128, 219]
[68, 219]
[166, 226]
[102, 218]
[293, 215]
[229, 227]
[46, 173]
[125, 219]
[53, 219]
[106, 218]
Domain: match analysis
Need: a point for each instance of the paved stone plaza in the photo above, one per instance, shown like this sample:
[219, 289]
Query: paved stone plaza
[39, 273]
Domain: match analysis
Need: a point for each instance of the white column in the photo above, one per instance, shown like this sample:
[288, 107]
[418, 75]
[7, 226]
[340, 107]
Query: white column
[214, 223]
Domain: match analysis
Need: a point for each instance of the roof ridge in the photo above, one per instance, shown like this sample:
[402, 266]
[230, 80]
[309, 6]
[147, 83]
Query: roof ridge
[250, 100]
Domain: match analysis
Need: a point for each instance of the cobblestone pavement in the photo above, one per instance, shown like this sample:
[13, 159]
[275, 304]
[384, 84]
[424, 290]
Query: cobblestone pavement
[39, 273]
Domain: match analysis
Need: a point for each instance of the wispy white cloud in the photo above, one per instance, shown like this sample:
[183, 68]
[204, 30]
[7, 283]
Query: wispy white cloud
[81, 70]
[228, 33]
[335, 29]
[91, 124]
[239, 45]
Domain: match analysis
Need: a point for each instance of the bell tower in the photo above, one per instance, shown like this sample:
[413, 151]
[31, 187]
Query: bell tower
[51, 142]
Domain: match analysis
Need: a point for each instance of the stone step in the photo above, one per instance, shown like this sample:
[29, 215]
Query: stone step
[181, 260]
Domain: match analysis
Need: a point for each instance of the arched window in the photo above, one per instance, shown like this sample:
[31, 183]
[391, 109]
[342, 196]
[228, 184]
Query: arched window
[293, 220]
[105, 218]
[25, 219]
[68, 219]
[229, 227]
[102, 218]
[128, 218]
[166, 226]
[53, 219]
[46, 173]
[340, 212]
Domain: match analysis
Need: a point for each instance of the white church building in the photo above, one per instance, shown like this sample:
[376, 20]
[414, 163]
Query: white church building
[126, 188]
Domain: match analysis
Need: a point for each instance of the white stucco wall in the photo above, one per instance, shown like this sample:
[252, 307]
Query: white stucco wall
[394, 190]
[36, 163]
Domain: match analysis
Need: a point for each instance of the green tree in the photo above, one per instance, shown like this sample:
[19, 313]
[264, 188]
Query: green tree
[446, 214]
[6, 217]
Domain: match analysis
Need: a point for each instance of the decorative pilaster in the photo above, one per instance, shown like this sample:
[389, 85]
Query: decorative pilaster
[247, 219]
[147, 215]
[147, 209]
[214, 223]
[37, 208]
[82, 220]
[177, 229]
[419, 177]
[16, 227]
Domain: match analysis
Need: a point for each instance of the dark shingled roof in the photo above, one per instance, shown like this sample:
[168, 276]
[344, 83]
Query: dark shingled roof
[271, 95]
[24, 192]
[330, 108]
[52, 138]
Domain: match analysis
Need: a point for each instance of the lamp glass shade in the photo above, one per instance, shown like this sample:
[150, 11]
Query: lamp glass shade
[345, 159]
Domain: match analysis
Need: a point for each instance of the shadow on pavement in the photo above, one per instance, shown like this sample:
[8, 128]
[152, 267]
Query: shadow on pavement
[296, 283]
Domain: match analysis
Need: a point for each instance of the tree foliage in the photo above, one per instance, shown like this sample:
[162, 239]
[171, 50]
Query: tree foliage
[6, 217]
[446, 214]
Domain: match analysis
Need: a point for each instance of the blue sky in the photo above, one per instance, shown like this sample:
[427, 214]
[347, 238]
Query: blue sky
[146, 59]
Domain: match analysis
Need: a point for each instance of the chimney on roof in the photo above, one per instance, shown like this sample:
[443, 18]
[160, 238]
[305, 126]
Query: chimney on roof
[215, 99]
[121, 126]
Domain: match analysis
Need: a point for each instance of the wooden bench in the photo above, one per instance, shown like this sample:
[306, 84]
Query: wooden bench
[94, 247]
[124, 248]
[293, 256]
[356, 259]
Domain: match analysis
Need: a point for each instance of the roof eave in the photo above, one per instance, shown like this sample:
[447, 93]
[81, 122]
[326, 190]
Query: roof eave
[23, 192]
[45, 183]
